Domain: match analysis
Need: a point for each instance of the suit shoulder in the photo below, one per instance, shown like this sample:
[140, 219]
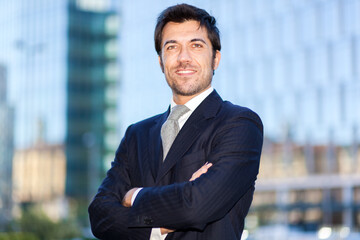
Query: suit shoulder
[237, 111]
[148, 121]
[144, 124]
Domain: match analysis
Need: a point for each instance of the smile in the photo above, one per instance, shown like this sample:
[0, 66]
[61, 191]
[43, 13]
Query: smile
[185, 71]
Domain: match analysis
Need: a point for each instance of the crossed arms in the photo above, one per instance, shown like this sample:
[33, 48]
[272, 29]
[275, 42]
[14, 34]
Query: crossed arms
[126, 202]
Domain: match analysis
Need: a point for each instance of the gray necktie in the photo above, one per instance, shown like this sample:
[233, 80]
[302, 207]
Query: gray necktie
[170, 128]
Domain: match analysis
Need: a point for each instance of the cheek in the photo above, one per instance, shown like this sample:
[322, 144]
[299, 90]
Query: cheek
[164, 61]
[169, 63]
[205, 60]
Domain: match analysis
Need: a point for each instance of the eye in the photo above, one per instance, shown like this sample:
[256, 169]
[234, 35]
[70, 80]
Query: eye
[171, 47]
[197, 45]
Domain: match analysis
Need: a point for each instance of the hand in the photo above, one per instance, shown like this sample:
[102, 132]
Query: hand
[126, 202]
[201, 171]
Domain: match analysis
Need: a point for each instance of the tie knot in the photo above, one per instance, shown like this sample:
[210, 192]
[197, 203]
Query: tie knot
[177, 112]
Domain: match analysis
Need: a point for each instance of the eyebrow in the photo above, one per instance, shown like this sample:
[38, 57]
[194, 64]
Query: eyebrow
[198, 40]
[192, 40]
[168, 42]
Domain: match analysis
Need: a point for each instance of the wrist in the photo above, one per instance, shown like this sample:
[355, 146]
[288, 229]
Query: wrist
[126, 202]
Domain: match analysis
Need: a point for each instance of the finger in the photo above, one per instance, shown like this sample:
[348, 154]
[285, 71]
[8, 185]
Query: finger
[166, 231]
[201, 171]
[208, 165]
[205, 168]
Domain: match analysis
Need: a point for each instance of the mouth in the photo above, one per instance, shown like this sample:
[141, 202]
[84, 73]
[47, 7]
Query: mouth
[185, 72]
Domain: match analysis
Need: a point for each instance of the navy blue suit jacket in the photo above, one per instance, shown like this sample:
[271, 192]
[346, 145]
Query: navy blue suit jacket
[211, 207]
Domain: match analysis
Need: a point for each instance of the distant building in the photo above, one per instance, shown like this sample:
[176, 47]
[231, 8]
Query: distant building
[6, 152]
[295, 63]
[62, 63]
[298, 67]
[91, 116]
[39, 176]
[307, 191]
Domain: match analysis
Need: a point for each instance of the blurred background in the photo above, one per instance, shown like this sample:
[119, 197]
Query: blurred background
[75, 73]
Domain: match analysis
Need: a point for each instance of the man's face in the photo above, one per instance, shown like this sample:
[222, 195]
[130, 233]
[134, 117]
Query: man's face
[187, 59]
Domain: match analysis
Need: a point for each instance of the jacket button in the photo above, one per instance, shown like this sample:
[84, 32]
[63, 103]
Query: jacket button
[148, 220]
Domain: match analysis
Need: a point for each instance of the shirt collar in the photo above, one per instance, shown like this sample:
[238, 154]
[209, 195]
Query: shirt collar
[193, 103]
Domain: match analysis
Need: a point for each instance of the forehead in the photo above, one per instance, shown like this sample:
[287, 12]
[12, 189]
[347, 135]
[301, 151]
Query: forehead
[184, 31]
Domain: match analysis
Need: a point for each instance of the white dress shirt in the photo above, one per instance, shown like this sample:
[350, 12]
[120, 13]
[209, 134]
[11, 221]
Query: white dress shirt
[192, 104]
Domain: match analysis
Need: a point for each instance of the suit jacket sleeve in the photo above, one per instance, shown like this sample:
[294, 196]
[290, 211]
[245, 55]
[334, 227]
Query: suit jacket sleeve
[235, 155]
[108, 218]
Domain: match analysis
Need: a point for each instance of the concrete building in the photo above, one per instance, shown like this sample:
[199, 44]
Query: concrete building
[306, 191]
[39, 176]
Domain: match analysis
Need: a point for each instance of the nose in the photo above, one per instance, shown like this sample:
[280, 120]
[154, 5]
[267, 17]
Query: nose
[184, 55]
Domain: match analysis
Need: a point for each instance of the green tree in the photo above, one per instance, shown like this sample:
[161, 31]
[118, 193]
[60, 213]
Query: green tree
[35, 221]
[18, 236]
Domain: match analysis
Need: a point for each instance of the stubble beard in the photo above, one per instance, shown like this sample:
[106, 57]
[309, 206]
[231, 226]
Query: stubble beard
[193, 89]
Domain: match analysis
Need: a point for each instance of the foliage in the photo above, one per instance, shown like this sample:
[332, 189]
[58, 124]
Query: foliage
[36, 222]
[18, 236]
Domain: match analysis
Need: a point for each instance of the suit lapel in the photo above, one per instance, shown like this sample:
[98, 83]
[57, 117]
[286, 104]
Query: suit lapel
[156, 152]
[195, 125]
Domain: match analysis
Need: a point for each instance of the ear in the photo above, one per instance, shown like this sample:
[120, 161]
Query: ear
[161, 63]
[217, 59]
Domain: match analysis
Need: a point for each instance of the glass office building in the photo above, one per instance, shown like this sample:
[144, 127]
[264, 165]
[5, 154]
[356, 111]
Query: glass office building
[294, 62]
[62, 71]
[91, 137]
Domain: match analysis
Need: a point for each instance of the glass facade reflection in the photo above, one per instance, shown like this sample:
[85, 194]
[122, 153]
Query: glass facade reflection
[61, 60]
[91, 98]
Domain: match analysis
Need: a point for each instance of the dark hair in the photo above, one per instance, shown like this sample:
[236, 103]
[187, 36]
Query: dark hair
[184, 12]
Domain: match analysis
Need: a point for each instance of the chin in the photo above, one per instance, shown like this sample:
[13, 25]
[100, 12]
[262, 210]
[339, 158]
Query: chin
[188, 92]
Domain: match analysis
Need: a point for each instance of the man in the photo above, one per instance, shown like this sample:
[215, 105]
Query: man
[199, 186]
